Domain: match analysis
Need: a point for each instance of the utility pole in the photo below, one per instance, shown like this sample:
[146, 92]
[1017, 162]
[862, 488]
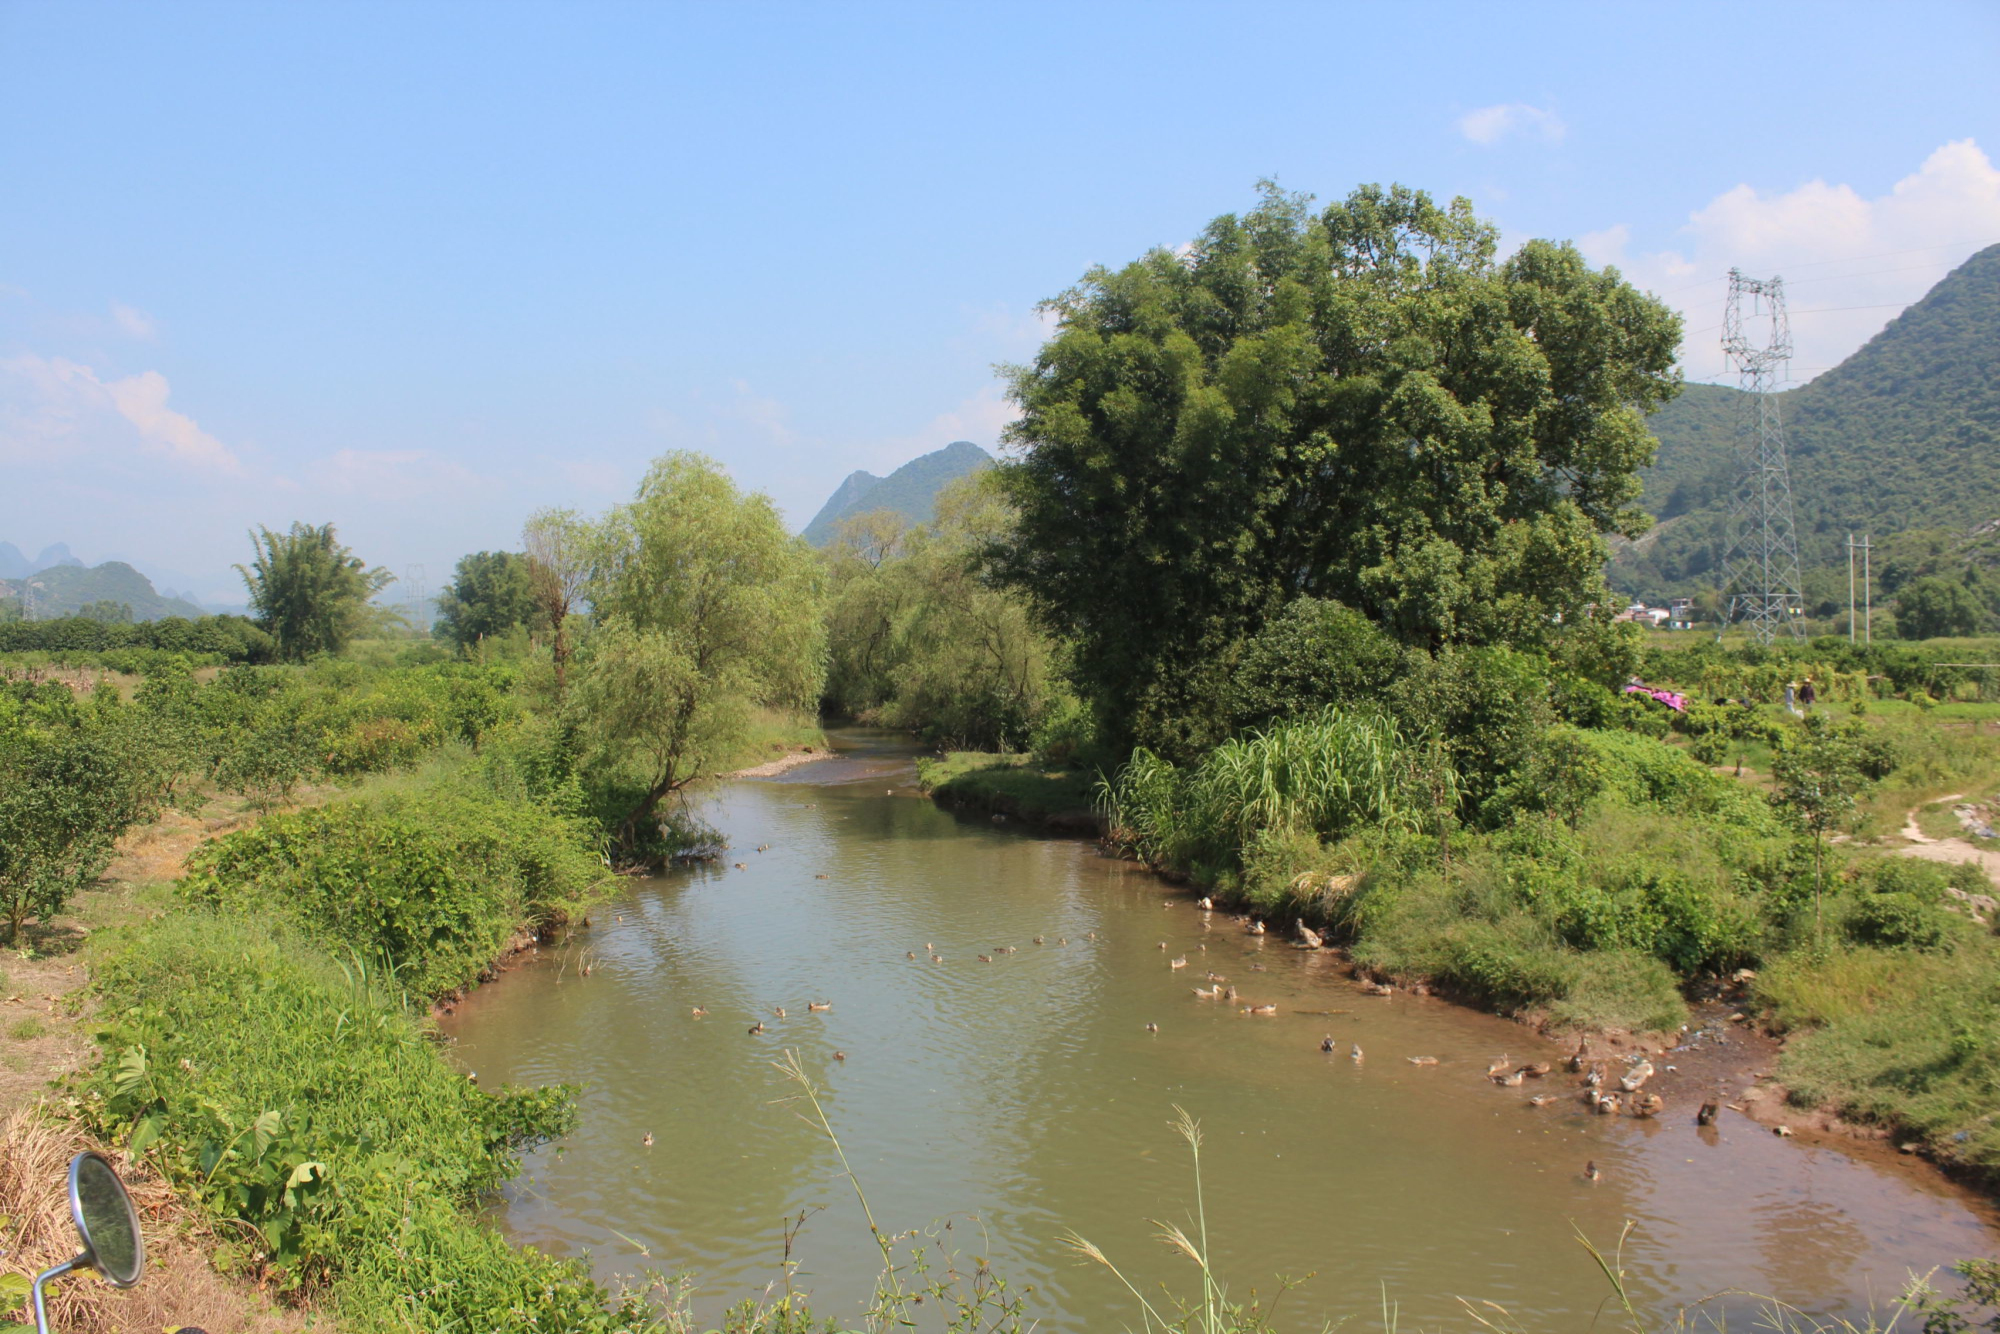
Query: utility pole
[1867, 594]
[1760, 568]
[1850, 588]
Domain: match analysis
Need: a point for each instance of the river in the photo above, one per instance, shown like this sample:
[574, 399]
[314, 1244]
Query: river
[1026, 1097]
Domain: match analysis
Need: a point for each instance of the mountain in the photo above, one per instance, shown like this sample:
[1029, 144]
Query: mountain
[55, 554]
[1902, 437]
[64, 590]
[910, 491]
[13, 565]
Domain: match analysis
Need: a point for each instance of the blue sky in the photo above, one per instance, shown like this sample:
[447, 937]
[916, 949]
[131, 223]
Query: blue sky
[420, 268]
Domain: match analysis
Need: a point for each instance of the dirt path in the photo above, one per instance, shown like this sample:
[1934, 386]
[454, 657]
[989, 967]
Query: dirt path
[1950, 851]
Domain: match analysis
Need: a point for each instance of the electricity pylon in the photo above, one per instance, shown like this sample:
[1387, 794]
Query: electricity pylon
[1761, 570]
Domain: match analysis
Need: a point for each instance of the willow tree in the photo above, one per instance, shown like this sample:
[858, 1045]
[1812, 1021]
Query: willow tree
[705, 609]
[309, 591]
[1361, 404]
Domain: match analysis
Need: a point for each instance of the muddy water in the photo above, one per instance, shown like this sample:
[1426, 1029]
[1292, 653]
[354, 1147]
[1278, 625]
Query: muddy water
[1025, 1097]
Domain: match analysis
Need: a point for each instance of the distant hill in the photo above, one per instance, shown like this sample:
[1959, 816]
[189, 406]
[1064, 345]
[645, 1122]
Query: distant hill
[1902, 436]
[64, 590]
[910, 491]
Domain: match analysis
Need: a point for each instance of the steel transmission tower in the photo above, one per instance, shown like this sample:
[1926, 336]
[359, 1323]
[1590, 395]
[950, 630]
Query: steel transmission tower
[1761, 570]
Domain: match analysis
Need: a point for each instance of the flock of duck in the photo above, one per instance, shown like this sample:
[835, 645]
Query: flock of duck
[1627, 1097]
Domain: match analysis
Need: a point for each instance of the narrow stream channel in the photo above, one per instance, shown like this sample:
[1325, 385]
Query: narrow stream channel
[1025, 1097]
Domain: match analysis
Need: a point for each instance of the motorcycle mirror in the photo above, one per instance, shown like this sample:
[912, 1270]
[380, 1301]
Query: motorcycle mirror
[106, 1221]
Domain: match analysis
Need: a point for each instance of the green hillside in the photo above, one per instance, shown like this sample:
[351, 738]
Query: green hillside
[1901, 440]
[910, 491]
[66, 590]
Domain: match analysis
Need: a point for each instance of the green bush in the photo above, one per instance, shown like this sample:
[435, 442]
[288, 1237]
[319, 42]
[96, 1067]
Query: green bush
[432, 883]
[296, 1101]
[1316, 654]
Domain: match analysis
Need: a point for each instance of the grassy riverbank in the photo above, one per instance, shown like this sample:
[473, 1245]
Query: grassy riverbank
[1014, 786]
[1612, 877]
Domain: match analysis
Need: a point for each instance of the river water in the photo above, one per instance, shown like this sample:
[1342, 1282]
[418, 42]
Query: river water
[1024, 1098]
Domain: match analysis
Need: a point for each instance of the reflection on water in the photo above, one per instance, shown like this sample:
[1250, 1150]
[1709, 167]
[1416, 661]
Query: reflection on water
[1024, 1097]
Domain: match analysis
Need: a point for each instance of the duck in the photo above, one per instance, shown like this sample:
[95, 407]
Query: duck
[1421, 1060]
[937, 958]
[1090, 935]
[910, 954]
[1178, 963]
[1217, 977]
[757, 1029]
[697, 1013]
[1260, 1009]
[1229, 994]
[818, 1007]
[1590, 1172]
[1256, 927]
[1213, 993]
[648, 1139]
[1536, 1069]
[986, 958]
[1205, 903]
[1152, 1028]
[1354, 1052]
[778, 1010]
[1006, 949]
[1062, 940]
[1580, 1056]
[821, 876]
[1593, 1079]
[1162, 945]
[1636, 1076]
[840, 1056]
[1541, 1100]
[1378, 989]
[1705, 1115]
[1608, 1105]
[1648, 1105]
[1500, 1067]
[741, 867]
[763, 847]
[1038, 940]
[1511, 1080]
[1326, 1044]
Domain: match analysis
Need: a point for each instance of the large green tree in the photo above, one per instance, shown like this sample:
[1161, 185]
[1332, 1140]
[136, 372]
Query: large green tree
[1361, 404]
[489, 594]
[309, 591]
[705, 609]
[1933, 607]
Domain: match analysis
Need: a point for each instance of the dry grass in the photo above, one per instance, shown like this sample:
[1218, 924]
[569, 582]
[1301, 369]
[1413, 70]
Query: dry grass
[179, 1287]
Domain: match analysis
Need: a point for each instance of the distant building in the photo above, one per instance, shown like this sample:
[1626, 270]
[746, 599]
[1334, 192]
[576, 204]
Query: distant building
[1680, 614]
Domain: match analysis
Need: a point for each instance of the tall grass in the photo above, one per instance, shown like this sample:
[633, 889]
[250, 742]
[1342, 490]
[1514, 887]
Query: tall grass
[1326, 775]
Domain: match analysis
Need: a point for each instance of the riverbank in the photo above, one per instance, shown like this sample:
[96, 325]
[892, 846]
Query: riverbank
[1013, 787]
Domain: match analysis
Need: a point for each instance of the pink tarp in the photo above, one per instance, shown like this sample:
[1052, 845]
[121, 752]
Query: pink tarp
[1677, 702]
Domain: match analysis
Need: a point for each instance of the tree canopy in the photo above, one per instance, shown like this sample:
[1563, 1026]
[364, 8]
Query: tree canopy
[309, 591]
[1360, 404]
[489, 594]
[705, 608]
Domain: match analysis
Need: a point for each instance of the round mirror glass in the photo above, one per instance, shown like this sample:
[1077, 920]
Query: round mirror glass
[105, 1217]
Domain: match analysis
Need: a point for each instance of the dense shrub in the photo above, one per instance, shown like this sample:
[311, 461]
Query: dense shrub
[432, 883]
[228, 638]
[294, 1099]
[1316, 654]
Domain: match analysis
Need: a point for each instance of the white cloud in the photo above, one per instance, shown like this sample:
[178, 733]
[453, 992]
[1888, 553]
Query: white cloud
[132, 322]
[1489, 125]
[1850, 262]
[390, 475]
[54, 404]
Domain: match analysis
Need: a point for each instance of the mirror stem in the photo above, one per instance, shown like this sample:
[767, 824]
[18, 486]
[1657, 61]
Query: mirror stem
[47, 1275]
